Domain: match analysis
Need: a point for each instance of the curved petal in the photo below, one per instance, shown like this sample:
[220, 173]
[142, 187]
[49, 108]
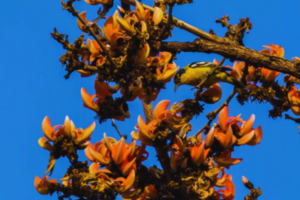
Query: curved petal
[209, 139]
[257, 137]
[140, 10]
[86, 133]
[160, 108]
[196, 153]
[157, 15]
[47, 128]
[247, 126]
[45, 144]
[223, 118]
[88, 100]
[142, 55]
[246, 138]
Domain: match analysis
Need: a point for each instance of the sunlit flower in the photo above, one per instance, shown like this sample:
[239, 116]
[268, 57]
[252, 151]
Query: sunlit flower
[168, 72]
[125, 184]
[225, 159]
[96, 2]
[197, 152]
[102, 90]
[43, 185]
[80, 24]
[267, 74]
[67, 130]
[294, 98]
[229, 192]
[244, 134]
[213, 94]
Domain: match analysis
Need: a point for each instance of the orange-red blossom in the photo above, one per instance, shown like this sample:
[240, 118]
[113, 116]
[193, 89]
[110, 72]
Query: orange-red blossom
[267, 74]
[124, 156]
[68, 130]
[43, 185]
[294, 99]
[146, 131]
[102, 90]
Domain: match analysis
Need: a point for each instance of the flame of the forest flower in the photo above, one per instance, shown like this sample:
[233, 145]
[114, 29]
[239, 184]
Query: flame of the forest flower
[229, 192]
[244, 134]
[157, 15]
[127, 183]
[169, 71]
[111, 30]
[128, 28]
[69, 130]
[96, 2]
[225, 159]
[42, 185]
[80, 24]
[209, 139]
[213, 94]
[294, 99]
[142, 55]
[267, 74]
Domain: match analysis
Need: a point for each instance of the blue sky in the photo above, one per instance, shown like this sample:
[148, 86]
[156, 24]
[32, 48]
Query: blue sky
[32, 87]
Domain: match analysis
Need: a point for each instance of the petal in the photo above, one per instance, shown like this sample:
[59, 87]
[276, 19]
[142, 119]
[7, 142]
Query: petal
[257, 137]
[164, 58]
[209, 139]
[47, 128]
[196, 153]
[93, 168]
[45, 144]
[140, 10]
[160, 109]
[125, 26]
[246, 138]
[223, 118]
[126, 167]
[167, 75]
[247, 126]
[88, 153]
[227, 140]
[99, 157]
[142, 55]
[227, 161]
[69, 127]
[86, 133]
[128, 182]
[157, 15]
[88, 100]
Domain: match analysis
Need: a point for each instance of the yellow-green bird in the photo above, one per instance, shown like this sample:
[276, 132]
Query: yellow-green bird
[195, 72]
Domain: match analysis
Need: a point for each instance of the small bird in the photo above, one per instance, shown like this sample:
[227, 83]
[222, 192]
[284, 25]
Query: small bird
[195, 72]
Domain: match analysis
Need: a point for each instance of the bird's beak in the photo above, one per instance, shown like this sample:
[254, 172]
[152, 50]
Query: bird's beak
[176, 86]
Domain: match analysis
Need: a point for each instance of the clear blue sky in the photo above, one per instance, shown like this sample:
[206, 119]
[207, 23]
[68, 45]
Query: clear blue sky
[32, 86]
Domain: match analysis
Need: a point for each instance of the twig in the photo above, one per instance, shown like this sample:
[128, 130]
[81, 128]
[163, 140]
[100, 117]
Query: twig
[116, 127]
[102, 14]
[297, 120]
[161, 151]
[201, 85]
[212, 115]
[183, 25]
[104, 52]
[170, 15]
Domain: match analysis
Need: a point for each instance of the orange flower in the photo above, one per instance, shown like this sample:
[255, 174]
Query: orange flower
[123, 155]
[43, 185]
[294, 98]
[169, 71]
[225, 159]
[213, 94]
[142, 55]
[125, 184]
[146, 131]
[275, 50]
[270, 75]
[96, 2]
[80, 24]
[198, 153]
[68, 130]
[244, 134]
[229, 192]
[111, 30]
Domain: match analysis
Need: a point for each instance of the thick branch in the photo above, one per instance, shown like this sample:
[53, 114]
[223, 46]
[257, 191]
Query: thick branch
[235, 52]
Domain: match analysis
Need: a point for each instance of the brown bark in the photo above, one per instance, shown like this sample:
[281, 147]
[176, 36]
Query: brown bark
[236, 52]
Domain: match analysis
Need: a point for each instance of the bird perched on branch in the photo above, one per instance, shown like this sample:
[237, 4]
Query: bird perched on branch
[195, 72]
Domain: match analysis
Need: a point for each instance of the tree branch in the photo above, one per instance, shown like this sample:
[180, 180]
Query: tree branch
[236, 52]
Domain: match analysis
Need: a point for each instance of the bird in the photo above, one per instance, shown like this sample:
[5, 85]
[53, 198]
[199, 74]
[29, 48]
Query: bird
[195, 72]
